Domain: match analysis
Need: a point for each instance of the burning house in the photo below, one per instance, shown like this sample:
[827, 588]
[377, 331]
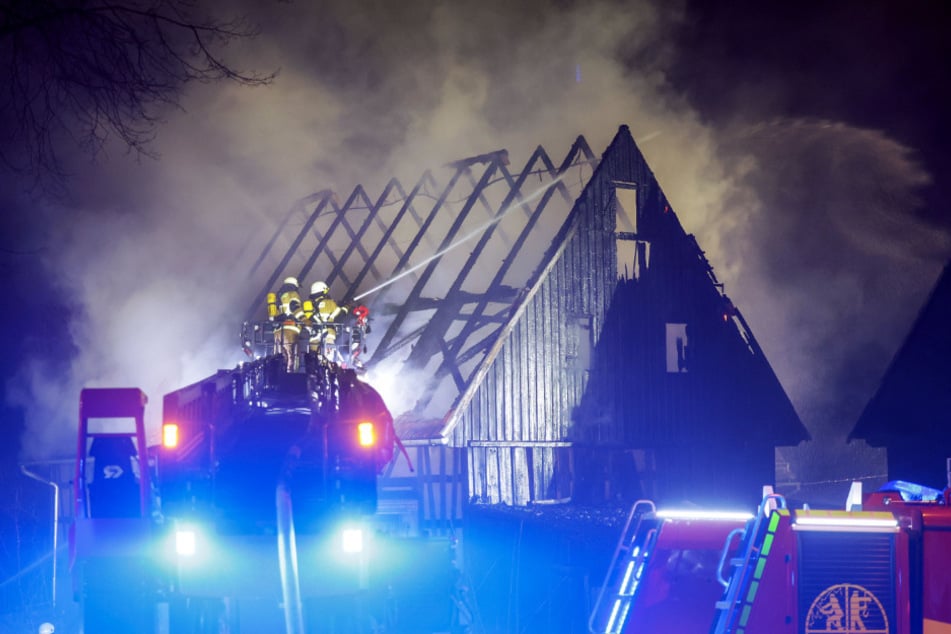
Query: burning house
[543, 334]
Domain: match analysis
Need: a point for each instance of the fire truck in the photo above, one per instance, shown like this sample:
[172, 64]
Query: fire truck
[251, 514]
[882, 565]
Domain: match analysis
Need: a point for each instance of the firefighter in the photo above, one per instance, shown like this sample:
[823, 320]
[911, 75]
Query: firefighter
[359, 327]
[290, 317]
[323, 312]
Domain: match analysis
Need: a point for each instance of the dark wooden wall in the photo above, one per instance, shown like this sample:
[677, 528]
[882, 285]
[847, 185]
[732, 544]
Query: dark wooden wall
[581, 378]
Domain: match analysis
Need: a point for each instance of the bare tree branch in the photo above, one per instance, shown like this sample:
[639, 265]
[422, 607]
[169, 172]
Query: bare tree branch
[86, 70]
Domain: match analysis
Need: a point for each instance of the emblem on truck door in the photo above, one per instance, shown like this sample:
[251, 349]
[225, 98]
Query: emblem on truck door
[847, 608]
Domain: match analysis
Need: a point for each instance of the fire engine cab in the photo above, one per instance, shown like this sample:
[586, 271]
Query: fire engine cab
[253, 504]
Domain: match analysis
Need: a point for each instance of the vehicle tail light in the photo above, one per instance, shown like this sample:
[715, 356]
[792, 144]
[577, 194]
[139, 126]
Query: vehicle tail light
[169, 435]
[366, 435]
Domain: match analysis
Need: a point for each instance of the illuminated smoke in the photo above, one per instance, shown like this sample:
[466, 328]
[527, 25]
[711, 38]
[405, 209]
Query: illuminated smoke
[832, 261]
[153, 256]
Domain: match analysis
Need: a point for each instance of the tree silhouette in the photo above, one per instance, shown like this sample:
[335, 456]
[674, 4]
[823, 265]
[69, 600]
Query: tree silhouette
[77, 71]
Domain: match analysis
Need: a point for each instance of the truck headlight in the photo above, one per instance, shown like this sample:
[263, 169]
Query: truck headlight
[352, 540]
[185, 542]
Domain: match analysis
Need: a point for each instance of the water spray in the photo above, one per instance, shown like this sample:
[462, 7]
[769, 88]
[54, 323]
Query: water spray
[475, 232]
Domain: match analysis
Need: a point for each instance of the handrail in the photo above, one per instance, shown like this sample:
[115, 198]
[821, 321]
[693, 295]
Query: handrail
[772, 496]
[623, 546]
[623, 592]
[741, 564]
[726, 551]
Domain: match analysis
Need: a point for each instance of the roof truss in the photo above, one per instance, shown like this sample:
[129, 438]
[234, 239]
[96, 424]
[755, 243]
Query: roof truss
[396, 248]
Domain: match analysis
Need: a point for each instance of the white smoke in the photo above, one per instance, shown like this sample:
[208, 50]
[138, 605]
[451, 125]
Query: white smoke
[153, 256]
[832, 261]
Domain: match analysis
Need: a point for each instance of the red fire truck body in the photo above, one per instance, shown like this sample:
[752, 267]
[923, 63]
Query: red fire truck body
[928, 525]
[884, 569]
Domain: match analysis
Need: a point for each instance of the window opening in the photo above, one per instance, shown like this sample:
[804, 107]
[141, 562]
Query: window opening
[678, 349]
[632, 252]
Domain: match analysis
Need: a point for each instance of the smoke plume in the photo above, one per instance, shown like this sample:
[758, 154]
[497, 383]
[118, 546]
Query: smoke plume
[152, 257]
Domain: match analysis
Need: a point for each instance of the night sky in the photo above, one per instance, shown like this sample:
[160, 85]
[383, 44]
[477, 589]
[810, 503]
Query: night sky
[805, 147]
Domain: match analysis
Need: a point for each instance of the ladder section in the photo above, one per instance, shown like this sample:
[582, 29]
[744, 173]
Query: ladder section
[732, 610]
[624, 573]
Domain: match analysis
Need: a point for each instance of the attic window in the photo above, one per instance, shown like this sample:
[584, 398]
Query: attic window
[625, 206]
[678, 350]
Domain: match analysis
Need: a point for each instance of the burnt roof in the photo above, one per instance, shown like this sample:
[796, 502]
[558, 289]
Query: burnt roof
[440, 262]
[447, 265]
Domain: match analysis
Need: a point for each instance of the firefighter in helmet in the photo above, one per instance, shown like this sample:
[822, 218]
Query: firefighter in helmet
[289, 317]
[322, 313]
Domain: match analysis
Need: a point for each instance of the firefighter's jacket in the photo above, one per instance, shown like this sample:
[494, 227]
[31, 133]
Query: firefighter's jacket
[320, 313]
[326, 310]
[291, 308]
